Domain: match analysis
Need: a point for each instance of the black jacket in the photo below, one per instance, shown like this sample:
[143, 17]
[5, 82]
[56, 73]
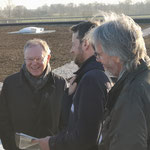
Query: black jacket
[86, 110]
[23, 110]
[127, 122]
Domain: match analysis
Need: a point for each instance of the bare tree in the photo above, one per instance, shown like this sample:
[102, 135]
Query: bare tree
[8, 8]
[19, 12]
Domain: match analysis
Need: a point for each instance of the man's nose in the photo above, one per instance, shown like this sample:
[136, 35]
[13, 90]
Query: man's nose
[34, 60]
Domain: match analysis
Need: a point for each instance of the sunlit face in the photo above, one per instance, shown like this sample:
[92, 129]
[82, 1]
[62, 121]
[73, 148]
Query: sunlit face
[111, 63]
[36, 60]
[76, 50]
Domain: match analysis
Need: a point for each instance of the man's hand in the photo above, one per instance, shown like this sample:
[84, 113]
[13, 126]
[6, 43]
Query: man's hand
[72, 86]
[43, 142]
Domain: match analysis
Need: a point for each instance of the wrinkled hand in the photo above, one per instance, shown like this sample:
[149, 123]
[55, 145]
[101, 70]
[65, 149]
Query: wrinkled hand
[72, 86]
[43, 142]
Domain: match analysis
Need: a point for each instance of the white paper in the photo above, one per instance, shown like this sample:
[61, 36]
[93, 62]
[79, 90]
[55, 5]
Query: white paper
[24, 141]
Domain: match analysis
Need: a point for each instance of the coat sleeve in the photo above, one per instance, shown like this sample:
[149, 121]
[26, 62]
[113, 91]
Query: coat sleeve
[91, 95]
[128, 128]
[6, 130]
[65, 110]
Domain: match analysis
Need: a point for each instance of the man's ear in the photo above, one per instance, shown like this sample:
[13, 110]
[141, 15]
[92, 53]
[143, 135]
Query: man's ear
[48, 57]
[85, 44]
[117, 59]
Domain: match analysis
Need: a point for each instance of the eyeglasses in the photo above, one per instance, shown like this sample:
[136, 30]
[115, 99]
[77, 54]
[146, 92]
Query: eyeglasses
[38, 60]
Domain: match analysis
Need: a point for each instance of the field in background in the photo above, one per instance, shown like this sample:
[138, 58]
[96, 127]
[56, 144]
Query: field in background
[11, 47]
[142, 18]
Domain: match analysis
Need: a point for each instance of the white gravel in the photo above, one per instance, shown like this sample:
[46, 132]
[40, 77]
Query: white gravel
[146, 32]
[66, 70]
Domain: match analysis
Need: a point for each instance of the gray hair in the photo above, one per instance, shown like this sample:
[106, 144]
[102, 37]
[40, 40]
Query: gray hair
[35, 42]
[120, 36]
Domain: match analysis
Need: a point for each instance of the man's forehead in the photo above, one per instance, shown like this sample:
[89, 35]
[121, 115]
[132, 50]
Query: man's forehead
[35, 50]
[75, 34]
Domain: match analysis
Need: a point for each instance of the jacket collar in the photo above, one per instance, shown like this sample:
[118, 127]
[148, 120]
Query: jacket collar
[127, 77]
[88, 65]
[23, 80]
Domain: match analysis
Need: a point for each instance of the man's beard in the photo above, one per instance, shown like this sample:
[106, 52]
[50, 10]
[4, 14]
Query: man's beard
[79, 59]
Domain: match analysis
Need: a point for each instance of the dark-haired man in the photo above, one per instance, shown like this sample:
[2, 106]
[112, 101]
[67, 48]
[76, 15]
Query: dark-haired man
[87, 93]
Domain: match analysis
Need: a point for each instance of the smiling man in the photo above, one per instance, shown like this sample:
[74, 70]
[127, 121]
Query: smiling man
[36, 59]
[30, 101]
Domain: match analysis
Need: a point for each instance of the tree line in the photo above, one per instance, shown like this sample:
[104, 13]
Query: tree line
[92, 9]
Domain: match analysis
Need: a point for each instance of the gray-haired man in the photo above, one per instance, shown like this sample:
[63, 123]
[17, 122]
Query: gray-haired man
[121, 49]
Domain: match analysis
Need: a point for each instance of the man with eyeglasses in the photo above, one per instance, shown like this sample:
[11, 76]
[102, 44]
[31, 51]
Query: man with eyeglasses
[88, 100]
[31, 100]
[120, 47]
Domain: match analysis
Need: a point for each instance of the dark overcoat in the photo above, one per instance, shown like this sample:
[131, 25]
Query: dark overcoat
[25, 110]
